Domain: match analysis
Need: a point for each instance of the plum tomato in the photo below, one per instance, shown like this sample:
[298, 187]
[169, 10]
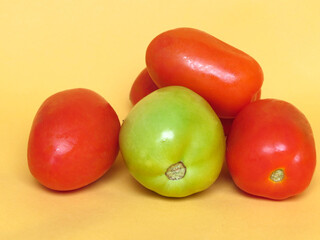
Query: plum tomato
[271, 150]
[73, 139]
[172, 142]
[142, 86]
[226, 77]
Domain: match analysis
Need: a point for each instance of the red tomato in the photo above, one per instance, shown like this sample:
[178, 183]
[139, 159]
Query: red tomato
[226, 77]
[271, 150]
[142, 86]
[73, 139]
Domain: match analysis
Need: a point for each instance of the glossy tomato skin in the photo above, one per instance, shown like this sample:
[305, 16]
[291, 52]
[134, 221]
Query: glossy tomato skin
[142, 86]
[271, 150]
[173, 143]
[226, 77]
[73, 139]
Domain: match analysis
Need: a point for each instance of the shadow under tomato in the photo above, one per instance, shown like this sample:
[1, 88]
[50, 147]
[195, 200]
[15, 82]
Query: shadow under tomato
[116, 170]
[224, 174]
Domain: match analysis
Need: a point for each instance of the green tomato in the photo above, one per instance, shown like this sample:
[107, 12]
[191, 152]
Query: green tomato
[173, 142]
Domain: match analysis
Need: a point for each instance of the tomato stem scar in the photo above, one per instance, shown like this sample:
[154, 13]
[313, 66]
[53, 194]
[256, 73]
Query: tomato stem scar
[277, 175]
[176, 171]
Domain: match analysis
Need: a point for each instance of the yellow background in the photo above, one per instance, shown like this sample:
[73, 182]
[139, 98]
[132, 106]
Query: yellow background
[49, 46]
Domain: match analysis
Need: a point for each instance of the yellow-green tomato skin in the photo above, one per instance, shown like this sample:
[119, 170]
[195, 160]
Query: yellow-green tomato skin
[171, 125]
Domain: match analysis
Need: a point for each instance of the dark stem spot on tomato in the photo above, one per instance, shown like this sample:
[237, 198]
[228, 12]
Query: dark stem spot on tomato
[176, 171]
[277, 175]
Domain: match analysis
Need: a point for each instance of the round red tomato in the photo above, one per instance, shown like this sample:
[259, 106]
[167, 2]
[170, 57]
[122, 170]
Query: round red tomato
[142, 86]
[271, 150]
[226, 77]
[73, 139]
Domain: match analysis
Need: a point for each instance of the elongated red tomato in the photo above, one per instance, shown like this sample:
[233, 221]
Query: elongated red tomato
[73, 139]
[142, 86]
[271, 150]
[226, 77]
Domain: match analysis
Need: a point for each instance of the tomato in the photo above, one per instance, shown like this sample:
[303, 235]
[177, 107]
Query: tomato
[173, 142]
[226, 77]
[73, 139]
[142, 86]
[271, 150]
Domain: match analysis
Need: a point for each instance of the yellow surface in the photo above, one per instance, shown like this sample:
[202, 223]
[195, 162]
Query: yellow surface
[49, 46]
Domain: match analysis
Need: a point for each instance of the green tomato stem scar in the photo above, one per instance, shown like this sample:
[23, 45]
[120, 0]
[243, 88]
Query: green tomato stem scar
[277, 175]
[176, 171]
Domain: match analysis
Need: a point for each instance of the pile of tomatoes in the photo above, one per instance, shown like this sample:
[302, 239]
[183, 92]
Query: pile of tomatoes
[196, 104]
